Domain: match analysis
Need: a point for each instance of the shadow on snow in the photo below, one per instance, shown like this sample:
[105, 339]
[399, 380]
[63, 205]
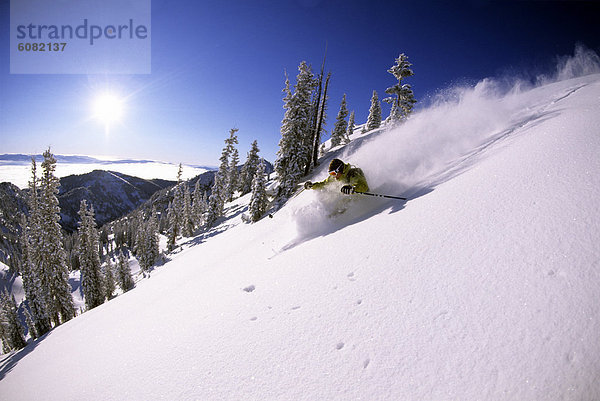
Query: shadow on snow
[10, 360]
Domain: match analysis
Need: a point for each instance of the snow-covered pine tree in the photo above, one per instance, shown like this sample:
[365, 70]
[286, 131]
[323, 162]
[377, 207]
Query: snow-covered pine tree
[281, 163]
[395, 114]
[153, 247]
[163, 222]
[70, 244]
[187, 220]
[11, 331]
[131, 230]
[31, 272]
[404, 97]
[374, 119]
[259, 201]
[175, 212]
[338, 136]
[104, 242]
[53, 264]
[109, 279]
[147, 246]
[167, 225]
[249, 169]
[199, 206]
[350, 129]
[219, 191]
[124, 273]
[406, 101]
[295, 147]
[89, 260]
[29, 322]
[233, 180]
[120, 234]
[140, 251]
[214, 209]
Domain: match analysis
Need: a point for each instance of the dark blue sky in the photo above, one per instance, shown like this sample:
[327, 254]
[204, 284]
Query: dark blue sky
[220, 64]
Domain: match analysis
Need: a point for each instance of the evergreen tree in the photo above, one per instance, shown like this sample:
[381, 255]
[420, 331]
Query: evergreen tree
[163, 222]
[259, 200]
[140, 250]
[31, 272]
[395, 114]
[29, 322]
[187, 221]
[170, 227]
[52, 263]
[11, 331]
[220, 189]
[104, 242]
[199, 206]
[338, 136]
[233, 181]
[152, 237]
[249, 169]
[175, 212]
[120, 235]
[350, 129]
[109, 279]
[295, 145]
[124, 273]
[404, 100]
[131, 229]
[89, 258]
[70, 243]
[147, 244]
[215, 206]
[374, 119]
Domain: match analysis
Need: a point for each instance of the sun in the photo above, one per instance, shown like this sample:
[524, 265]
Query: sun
[108, 108]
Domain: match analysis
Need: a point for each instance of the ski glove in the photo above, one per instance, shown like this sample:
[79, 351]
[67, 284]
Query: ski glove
[308, 185]
[347, 189]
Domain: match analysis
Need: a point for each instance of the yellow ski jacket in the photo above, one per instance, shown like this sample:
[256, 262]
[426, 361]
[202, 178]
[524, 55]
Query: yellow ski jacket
[350, 176]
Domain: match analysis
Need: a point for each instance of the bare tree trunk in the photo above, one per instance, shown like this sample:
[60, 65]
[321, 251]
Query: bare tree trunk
[317, 140]
[315, 126]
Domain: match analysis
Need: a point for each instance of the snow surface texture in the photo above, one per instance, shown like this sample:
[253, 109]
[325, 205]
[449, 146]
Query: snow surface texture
[484, 285]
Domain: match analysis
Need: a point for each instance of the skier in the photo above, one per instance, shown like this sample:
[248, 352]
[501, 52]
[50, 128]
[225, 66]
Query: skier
[353, 178]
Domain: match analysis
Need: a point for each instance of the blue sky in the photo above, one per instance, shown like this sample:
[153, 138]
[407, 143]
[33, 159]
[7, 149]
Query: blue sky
[220, 64]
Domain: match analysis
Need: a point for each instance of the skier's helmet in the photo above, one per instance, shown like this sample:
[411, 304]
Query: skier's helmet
[336, 166]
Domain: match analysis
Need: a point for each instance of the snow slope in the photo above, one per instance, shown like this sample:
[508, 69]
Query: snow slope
[484, 285]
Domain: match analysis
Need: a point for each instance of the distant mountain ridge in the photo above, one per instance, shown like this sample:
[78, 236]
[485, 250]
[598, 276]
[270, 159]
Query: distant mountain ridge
[16, 168]
[112, 195]
[21, 158]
